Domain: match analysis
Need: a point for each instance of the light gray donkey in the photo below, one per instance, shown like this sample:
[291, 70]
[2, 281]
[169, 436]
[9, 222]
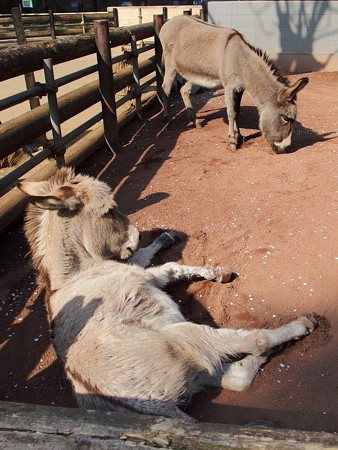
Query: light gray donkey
[123, 341]
[212, 56]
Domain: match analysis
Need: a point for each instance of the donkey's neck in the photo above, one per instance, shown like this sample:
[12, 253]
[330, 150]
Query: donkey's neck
[258, 77]
[59, 251]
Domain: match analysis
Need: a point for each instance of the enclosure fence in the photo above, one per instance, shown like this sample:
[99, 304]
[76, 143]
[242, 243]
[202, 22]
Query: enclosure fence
[137, 76]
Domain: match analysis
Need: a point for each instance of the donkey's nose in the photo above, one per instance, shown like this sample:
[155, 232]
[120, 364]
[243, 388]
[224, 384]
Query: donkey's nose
[280, 147]
[277, 149]
[131, 244]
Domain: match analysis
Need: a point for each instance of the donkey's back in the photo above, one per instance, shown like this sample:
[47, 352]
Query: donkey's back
[195, 49]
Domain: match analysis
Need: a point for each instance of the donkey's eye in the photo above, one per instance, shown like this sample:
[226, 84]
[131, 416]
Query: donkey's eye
[286, 119]
[109, 213]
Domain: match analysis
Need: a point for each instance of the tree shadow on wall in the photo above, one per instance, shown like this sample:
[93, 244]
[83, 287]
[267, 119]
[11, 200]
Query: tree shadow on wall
[301, 28]
[305, 28]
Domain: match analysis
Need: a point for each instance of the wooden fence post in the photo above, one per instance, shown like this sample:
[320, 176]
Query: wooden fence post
[101, 31]
[83, 23]
[52, 24]
[165, 13]
[116, 18]
[21, 39]
[29, 77]
[204, 14]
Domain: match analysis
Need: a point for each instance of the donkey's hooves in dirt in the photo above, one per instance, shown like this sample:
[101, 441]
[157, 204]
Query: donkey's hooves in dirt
[306, 326]
[224, 276]
[310, 322]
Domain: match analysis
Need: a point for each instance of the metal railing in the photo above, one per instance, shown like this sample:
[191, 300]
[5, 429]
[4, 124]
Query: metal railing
[50, 88]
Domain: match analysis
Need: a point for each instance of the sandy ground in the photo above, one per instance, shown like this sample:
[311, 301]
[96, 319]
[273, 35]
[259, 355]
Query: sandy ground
[271, 218]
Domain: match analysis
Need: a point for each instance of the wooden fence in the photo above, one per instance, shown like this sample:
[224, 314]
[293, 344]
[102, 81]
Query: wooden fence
[65, 24]
[22, 130]
[55, 25]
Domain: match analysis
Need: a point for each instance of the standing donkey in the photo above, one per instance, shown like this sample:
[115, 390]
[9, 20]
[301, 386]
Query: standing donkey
[212, 56]
[123, 341]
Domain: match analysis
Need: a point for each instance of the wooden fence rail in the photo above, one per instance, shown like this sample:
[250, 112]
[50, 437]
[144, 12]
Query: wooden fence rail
[54, 427]
[52, 24]
[62, 24]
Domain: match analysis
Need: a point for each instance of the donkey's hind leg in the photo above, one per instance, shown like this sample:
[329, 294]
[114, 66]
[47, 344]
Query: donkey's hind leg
[239, 375]
[185, 93]
[169, 272]
[168, 80]
[236, 376]
[233, 101]
[206, 347]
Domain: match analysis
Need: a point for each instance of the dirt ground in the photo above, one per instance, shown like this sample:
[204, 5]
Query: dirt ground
[271, 218]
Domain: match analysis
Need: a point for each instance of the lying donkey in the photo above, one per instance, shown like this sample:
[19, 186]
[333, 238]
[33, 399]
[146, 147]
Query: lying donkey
[212, 56]
[123, 341]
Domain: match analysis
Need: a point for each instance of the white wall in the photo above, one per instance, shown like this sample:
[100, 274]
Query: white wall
[129, 15]
[300, 35]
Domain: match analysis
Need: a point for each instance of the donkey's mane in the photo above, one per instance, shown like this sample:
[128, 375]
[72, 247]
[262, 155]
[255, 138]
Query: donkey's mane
[268, 61]
[274, 69]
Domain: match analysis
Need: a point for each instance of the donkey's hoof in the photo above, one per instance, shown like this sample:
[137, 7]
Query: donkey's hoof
[224, 276]
[198, 124]
[167, 238]
[232, 146]
[310, 323]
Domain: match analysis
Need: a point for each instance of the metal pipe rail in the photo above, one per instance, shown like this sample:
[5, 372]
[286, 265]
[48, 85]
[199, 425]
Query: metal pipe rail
[29, 57]
[42, 89]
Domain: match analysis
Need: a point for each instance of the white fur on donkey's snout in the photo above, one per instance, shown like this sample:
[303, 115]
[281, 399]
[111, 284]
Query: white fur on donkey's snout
[130, 246]
[284, 143]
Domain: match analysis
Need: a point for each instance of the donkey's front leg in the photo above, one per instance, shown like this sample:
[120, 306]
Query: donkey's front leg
[169, 272]
[233, 102]
[144, 255]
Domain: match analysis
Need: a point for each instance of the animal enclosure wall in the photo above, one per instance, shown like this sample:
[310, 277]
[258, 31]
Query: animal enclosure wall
[301, 36]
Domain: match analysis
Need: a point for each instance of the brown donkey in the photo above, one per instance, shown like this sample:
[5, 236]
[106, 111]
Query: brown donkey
[123, 341]
[212, 56]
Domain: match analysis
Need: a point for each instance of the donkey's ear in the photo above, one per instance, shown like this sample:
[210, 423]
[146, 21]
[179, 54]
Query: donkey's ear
[64, 197]
[32, 188]
[290, 93]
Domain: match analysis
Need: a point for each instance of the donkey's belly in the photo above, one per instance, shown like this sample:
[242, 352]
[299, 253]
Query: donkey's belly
[201, 80]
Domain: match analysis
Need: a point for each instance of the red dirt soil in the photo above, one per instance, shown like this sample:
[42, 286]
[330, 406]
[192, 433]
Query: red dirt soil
[271, 218]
